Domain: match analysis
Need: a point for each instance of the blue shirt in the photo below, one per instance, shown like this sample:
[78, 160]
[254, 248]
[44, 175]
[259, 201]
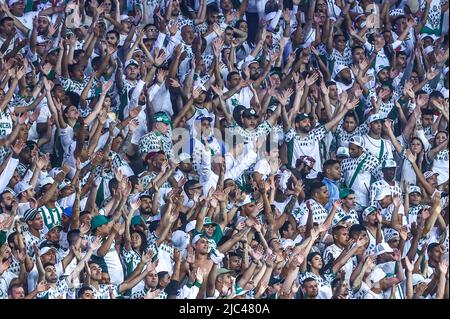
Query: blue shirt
[333, 191]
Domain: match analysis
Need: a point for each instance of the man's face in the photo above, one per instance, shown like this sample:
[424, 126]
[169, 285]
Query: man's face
[37, 223]
[386, 201]
[275, 78]
[290, 232]
[43, 25]
[389, 173]
[322, 195]
[175, 8]
[209, 229]
[311, 289]
[151, 280]
[226, 5]
[96, 272]
[106, 280]
[401, 60]
[341, 236]
[8, 200]
[8, 27]
[87, 294]
[415, 198]
[18, 293]
[49, 257]
[146, 206]
[427, 120]
[201, 246]
[132, 72]
[383, 75]
[304, 125]
[435, 254]
[227, 280]
[112, 39]
[254, 71]
[400, 25]
[235, 263]
[18, 8]
[187, 33]
[433, 181]
[158, 160]
[354, 150]
[339, 43]
[332, 92]
[358, 55]
[50, 274]
[229, 37]
[213, 18]
[349, 201]
[151, 32]
[334, 171]
[349, 124]
[375, 127]
[54, 235]
[235, 79]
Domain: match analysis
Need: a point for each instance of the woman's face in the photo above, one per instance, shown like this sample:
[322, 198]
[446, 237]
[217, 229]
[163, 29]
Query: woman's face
[136, 241]
[416, 146]
[243, 26]
[72, 113]
[316, 262]
[441, 137]
[117, 142]
[23, 133]
[108, 6]
[107, 103]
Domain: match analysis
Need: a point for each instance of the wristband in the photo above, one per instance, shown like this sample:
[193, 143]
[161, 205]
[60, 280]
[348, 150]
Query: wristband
[197, 284]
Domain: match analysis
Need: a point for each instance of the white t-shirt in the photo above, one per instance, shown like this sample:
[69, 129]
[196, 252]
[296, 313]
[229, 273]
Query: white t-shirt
[243, 97]
[113, 263]
[374, 147]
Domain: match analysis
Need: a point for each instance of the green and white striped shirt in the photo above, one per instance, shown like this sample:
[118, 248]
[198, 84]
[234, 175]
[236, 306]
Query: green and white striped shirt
[51, 215]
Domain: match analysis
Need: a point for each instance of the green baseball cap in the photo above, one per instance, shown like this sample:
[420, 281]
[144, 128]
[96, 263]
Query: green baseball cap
[136, 220]
[98, 221]
[207, 221]
[162, 117]
[223, 271]
[343, 193]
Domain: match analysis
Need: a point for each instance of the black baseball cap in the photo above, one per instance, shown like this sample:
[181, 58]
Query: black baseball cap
[249, 113]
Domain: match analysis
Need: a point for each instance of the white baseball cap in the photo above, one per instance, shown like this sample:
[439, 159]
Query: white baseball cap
[415, 189]
[429, 174]
[374, 117]
[369, 210]
[418, 279]
[376, 275]
[383, 248]
[184, 156]
[130, 62]
[357, 140]
[382, 193]
[21, 187]
[342, 151]
[389, 163]
[46, 180]
[190, 226]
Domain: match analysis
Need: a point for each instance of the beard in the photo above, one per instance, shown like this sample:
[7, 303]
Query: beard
[345, 81]
[304, 129]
